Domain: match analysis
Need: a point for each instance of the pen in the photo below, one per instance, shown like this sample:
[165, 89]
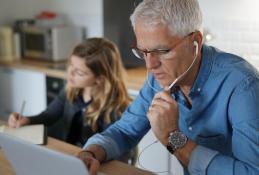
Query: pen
[22, 108]
[21, 113]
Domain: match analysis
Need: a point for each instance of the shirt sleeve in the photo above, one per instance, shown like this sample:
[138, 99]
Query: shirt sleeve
[244, 119]
[200, 159]
[128, 131]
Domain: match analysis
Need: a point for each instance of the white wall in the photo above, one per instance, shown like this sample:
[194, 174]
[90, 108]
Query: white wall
[3, 12]
[234, 26]
[87, 13]
[232, 9]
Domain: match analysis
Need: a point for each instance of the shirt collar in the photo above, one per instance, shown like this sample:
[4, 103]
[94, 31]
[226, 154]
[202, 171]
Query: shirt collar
[204, 71]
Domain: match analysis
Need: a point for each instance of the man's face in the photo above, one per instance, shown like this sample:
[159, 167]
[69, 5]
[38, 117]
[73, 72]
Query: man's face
[165, 67]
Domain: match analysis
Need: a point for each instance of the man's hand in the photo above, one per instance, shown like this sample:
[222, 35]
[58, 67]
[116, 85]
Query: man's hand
[163, 116]
[92, 156]
[90, 162]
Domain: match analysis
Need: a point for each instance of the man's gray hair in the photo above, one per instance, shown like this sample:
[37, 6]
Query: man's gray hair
[181, 16]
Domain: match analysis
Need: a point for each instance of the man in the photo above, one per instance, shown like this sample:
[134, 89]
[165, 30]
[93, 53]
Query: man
[201, 103]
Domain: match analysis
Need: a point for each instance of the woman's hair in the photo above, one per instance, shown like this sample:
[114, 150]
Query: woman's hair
[181, 16]
[103, 58]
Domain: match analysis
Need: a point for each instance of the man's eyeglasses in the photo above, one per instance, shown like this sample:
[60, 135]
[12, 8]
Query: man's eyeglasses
[158, 53]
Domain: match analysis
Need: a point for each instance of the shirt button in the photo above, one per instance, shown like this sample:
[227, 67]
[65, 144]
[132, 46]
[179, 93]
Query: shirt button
[190, 128]
[199, 89]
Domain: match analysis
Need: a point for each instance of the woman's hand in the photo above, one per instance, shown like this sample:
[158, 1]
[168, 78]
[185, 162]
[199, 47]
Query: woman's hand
[15, 120]
[90, 162]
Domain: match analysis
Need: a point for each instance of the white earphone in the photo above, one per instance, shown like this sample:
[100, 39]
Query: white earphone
[195, 43]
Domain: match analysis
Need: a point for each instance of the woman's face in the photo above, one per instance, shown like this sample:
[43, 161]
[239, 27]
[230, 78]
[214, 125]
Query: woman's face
[79, 75]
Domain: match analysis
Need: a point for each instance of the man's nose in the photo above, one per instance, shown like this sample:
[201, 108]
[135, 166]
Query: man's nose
[151, 61]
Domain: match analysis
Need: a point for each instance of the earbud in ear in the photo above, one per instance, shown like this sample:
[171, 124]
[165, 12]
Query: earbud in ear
[195, 43]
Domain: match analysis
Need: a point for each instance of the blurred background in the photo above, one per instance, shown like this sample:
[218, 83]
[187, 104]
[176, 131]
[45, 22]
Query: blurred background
[230, 25]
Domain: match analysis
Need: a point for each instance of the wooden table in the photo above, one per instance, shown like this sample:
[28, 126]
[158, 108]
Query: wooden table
[109, 168]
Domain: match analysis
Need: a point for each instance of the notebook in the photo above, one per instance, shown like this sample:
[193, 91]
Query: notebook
[36, 134]
[30, 159]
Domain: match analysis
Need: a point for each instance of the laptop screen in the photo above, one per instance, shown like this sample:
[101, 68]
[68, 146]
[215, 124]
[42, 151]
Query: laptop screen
[30, 159]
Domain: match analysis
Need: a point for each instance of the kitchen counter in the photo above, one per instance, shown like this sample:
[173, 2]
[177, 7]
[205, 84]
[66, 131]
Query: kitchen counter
[38, 66]
[134, 79]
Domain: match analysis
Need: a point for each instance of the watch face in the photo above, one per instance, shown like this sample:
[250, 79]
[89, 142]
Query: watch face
[177, 139]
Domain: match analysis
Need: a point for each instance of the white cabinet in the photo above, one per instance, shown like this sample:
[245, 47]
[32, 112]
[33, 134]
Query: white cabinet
[18, 85]
[156, 158]
[174, 166]
[5, 91]
[152, 157]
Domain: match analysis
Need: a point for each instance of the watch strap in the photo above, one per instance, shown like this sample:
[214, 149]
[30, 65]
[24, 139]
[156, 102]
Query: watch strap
[169, 148]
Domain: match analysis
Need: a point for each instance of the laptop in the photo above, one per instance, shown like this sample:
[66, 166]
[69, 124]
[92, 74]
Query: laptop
[30, 159]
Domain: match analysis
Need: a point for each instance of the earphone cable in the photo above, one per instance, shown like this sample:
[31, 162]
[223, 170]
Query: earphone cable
[143, 167]
[178, 78]
[150, 84]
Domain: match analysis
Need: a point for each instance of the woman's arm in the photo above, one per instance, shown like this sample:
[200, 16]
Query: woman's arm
[53, 112]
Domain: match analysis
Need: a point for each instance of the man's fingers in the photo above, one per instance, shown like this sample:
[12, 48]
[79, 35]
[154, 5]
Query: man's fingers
[160, 102]
[92, 165]
[166, 96]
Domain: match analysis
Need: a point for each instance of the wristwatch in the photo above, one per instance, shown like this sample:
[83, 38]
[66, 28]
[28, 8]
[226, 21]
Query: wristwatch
[176, 140]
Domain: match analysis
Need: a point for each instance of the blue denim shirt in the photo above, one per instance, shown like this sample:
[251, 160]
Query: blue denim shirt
[223, 119]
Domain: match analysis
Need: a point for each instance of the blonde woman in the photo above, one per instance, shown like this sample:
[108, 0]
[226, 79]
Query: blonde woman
[95, 95]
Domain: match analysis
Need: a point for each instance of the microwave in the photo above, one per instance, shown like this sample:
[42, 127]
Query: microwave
[49, 43]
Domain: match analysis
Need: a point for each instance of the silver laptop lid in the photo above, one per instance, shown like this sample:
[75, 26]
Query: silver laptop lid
[30, 159]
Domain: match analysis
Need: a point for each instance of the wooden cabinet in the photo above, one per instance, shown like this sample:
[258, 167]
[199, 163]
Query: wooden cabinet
[18, 85]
